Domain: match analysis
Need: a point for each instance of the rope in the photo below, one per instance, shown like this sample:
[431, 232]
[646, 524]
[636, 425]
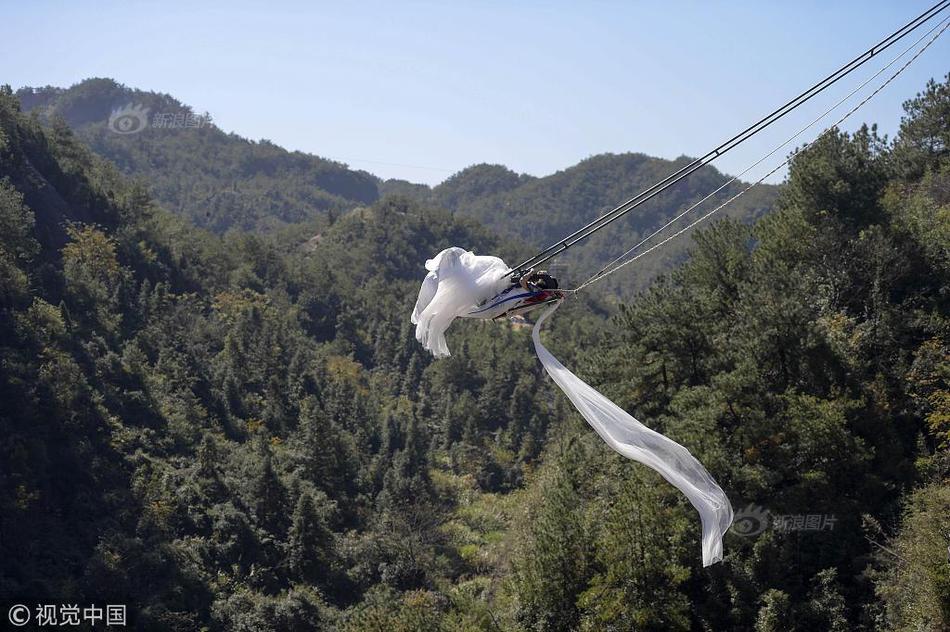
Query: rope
[607, 270]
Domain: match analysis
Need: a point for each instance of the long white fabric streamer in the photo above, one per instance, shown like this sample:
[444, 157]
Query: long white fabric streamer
[457, 282]
[635, 441]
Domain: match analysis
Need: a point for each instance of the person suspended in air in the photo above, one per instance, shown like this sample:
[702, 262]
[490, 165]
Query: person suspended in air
[538, 281]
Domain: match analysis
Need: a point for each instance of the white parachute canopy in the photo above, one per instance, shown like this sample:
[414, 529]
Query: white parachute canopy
[457, 282]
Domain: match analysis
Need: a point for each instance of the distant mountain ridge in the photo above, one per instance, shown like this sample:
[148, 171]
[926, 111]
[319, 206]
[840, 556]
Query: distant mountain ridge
[217, 180]
[222, 181]
[543, 210]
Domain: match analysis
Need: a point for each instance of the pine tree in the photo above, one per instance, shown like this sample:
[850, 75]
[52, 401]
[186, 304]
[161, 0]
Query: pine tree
[309, 544]
[208, 472]
[327, 455]
[553, 568]
[640, 551]
[520, 410]
[268, 492]
[776, 613]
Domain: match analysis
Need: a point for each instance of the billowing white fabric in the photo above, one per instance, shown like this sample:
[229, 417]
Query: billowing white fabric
[457, 282]
[635, 441]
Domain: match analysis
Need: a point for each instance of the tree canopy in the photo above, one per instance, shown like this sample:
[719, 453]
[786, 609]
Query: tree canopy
[238, 431]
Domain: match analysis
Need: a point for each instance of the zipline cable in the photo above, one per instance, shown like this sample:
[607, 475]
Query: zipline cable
[742, 136]
[599, 276]
[604, 269]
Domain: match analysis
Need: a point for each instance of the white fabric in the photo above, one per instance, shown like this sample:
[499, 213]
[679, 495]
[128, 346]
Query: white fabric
[457, 282]
[635, 441]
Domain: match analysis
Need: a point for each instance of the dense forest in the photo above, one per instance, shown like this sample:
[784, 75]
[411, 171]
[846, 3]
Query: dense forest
[222, 181]
[232, 432]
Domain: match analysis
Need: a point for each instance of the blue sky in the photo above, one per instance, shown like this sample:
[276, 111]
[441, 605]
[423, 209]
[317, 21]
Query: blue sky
[419, 90]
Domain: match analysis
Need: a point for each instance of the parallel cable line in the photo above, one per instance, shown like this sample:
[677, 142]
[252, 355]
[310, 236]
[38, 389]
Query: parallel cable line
[735, 178]
[601, 275]
[739, 138]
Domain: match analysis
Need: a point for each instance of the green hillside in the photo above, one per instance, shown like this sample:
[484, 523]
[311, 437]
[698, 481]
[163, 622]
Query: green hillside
[220, 431]
[543, 210]
[222, 181]
[216, 180]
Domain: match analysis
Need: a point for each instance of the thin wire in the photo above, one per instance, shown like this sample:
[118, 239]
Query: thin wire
[684, 172]
[763, 158]
[595, 278]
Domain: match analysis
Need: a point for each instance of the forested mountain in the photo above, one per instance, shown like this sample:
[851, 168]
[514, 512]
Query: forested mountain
[231, 432]
[543, 210]
[220, 432]
[221, 181]
[216, 180]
